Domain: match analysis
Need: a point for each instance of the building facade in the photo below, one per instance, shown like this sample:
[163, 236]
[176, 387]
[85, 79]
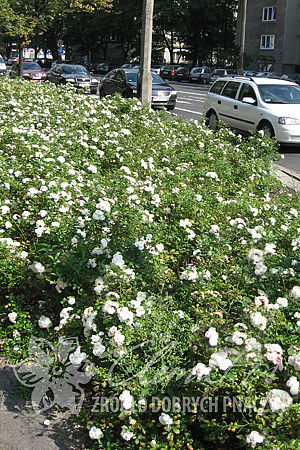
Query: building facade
[272, 39]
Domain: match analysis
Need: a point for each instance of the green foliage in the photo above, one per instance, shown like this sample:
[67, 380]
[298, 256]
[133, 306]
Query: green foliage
[138, 233]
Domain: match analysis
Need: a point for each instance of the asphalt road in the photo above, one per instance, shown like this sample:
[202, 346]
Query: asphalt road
[190, 104]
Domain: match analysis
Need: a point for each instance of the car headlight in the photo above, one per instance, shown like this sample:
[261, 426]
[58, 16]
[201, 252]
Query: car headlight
[288, 121]
[94, 80]
[134, 91]
[71, 80]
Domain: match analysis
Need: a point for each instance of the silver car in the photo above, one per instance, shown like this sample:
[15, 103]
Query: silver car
[200, 74]
[2, 66]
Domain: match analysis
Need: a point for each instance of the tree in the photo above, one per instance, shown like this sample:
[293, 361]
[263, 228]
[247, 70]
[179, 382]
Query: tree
[23, 20]
[169, 20]
[210, 30]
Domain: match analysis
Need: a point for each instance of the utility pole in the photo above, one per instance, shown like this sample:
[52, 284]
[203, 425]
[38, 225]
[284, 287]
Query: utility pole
[144, 81]
[243, 37]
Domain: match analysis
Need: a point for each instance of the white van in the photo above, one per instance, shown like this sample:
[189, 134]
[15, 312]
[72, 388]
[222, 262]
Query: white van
[2, 66]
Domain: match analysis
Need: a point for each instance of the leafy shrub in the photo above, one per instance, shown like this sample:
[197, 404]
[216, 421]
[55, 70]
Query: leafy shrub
[170, 252]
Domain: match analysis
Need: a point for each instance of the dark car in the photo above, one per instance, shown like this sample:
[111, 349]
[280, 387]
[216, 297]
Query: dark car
[168, 72]
[124, 82]
[182, 74]
[200, 74]
[77, 75]
[31, 71]
[100, 68]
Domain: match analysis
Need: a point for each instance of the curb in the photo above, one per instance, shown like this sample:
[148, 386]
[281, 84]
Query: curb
[288, 177]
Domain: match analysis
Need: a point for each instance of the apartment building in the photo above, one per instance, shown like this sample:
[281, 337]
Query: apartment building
[272, 40]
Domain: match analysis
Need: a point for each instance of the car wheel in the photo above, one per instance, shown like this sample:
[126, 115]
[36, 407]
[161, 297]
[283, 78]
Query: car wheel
[93, 91]
[267, 129]
[170, 107]
[212, 120]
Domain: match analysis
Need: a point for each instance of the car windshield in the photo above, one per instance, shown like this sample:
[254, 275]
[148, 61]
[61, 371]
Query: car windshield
[279, 93]
[219, 71]
[132, 77]
[75, 69]
[31, 66]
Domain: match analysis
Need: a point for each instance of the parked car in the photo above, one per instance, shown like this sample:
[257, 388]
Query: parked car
[249, 73]
[267, 74]
[168, 72]
[137, 66]
[2, 66]
[124, 82]
[182, 74]
[31, 71]
[127, 66]
[201, 75]
[12, 60]
[77, 75]
[217, 73]
[100, 68]
[271, 106]
[44, 63]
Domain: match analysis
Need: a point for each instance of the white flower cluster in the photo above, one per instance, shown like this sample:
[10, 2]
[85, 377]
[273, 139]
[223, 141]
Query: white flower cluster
[190, 273]
[212, 335]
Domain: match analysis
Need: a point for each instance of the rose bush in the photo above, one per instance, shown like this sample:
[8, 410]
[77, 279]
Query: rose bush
[170, 252]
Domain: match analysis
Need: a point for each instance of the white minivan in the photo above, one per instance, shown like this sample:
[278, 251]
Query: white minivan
[256, 104]
[2, 66]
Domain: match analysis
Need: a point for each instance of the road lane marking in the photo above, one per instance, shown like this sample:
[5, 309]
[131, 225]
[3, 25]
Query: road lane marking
[188, 110]
[191, 100]
[191, 93]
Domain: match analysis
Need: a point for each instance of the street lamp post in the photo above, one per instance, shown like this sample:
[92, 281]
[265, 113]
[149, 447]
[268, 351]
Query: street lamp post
[243, 37]
[144, 82]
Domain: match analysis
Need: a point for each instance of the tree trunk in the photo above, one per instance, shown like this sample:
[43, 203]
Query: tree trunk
[167, 44]
[21, 59]
[172, 48]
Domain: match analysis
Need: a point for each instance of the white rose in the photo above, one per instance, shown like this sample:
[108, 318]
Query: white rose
[165, 419]
[98, 349]
[77, 357]
[293, 384]
[124, 315]
[219, 360]
[95, 433]
[200, 370]
[294, 361]
[295, 292]
[279, 400]
[254, 438]
[212, 335]
[12, 317]
[37, 267]
[44, 322]
[258, 320]
[126, 399]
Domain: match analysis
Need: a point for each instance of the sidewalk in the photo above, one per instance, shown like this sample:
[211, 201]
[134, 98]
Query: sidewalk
[288, 177]
[22, 429]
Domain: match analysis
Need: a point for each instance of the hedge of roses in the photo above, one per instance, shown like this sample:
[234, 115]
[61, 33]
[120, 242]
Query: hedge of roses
[169, 252]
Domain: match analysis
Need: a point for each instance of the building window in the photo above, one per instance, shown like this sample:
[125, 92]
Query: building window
[267, 41]
[269, 14]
